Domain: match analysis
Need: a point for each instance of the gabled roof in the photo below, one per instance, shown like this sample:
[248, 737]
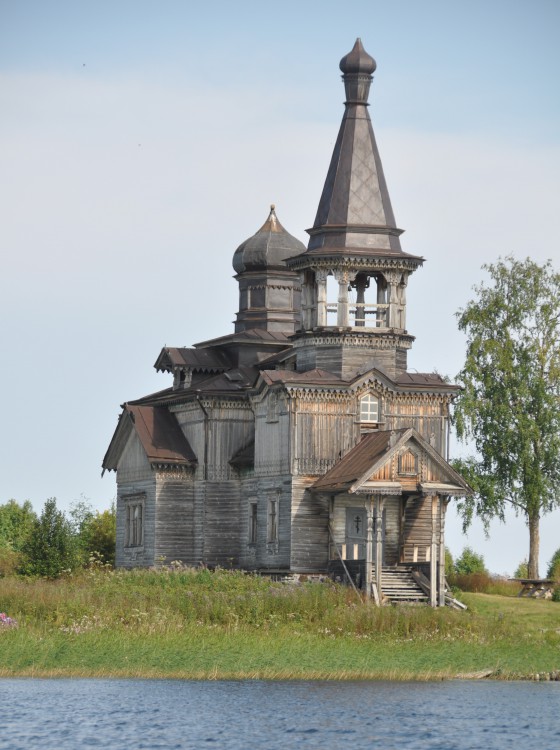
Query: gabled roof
[159, 433]
[201, 360]
[416, 382]
[354, 472]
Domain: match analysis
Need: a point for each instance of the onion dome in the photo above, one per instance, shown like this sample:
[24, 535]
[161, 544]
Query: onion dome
[268, 248]
[357, 67]
[358, 61]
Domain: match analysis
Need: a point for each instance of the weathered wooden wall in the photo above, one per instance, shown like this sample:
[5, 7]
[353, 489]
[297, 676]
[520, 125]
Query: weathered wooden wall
[135, 478]
[174, 518]
[417, 529]
[310, 538]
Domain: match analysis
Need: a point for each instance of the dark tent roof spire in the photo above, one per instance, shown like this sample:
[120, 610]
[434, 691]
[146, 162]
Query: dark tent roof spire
[355, 216]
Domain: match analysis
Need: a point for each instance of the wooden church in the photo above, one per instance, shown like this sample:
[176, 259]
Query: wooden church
[300, 443]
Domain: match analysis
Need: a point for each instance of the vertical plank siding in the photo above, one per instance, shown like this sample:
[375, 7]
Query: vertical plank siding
[309, 520]
[174, 522]
[417, 531]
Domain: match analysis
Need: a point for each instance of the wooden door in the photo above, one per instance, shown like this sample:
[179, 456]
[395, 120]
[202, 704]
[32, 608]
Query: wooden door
[356, 533]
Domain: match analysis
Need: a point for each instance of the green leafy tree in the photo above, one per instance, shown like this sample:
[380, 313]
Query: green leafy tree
[509, 405]
[81, 514]
[554, 566]
[522, 570]
[99, 535]
[469, 562]
[16, 522]
[51, 548]
[449, 564]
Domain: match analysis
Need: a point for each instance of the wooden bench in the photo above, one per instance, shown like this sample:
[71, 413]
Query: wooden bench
[537, 588]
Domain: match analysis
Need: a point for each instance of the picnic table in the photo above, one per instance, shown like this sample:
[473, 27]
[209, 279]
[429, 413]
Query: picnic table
[537, 588]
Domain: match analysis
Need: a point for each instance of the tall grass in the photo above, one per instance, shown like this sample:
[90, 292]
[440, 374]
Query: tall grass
[483, 583]
[181, 622]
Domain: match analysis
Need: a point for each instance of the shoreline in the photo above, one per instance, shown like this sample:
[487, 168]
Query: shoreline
[216, 675]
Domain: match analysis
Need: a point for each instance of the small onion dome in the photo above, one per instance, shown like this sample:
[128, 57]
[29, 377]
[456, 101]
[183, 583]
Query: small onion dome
[269, 247]
[358, 61]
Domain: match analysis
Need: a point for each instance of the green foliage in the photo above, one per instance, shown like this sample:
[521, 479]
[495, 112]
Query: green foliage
[449, 564]
[522, 570]
[554, 566]
[98, 535]
[509, 405]
[51, 548]
[469, 562]
[16, 522]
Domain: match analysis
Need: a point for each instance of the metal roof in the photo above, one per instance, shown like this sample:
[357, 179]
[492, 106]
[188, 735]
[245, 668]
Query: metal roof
[267, 248]
[355, 216]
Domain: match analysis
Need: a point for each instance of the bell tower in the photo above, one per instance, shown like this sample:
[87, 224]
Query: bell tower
[354, 273]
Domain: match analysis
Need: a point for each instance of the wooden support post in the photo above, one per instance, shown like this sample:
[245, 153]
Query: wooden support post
[433, 554]
[393, 278]
[321, 281]
[378, 543]
[369, 547]
[441, 576]
[342, 308]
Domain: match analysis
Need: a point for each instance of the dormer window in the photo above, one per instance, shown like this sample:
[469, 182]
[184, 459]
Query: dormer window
[369, 408]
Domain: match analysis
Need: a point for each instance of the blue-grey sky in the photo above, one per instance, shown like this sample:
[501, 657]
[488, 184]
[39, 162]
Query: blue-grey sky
[142, 142]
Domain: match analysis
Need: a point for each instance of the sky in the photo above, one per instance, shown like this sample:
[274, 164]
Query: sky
[141, 142]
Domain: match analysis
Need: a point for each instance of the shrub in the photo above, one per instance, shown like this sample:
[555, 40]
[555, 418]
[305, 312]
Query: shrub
[10, 561]
[99, 535]
[51, 548]
[482, 583]
[16, 522]
[469, 562]
[554, 566]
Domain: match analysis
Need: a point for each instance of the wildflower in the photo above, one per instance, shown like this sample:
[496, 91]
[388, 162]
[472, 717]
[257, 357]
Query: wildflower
[7, 622]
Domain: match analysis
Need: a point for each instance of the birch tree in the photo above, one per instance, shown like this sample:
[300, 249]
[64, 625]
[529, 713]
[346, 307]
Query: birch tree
[509, 407]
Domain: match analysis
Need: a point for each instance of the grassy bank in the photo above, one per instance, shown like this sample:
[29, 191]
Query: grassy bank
[229, 625]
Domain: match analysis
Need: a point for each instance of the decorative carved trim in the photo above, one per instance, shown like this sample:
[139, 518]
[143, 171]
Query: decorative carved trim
[354, 263]
[375, 338]
[163, 472]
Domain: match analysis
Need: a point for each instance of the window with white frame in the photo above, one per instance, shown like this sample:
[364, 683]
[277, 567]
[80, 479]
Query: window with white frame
[134, 521]
[272, 521]
[369, 408]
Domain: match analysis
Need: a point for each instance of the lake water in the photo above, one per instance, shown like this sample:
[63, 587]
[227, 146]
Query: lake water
[130, 714]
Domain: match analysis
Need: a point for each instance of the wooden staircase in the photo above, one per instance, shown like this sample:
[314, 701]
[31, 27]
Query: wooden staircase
[399, 586]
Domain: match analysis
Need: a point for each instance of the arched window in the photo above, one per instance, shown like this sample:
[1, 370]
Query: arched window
[369, 408]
